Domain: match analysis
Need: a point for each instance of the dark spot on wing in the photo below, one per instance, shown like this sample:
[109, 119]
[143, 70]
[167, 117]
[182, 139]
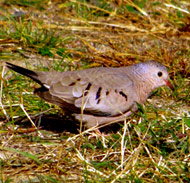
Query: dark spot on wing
[98, 101]
[115, 90]
[73, 83]
[88, 86]
[107, 92]
[98, 93]
[123, 95]
[87, 89]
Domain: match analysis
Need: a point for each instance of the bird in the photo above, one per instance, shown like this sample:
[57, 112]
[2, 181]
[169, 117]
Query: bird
[102, 95]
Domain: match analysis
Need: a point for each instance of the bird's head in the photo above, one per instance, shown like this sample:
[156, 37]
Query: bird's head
[155, 73]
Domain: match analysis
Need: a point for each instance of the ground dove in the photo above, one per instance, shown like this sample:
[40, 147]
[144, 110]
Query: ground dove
[99, 96]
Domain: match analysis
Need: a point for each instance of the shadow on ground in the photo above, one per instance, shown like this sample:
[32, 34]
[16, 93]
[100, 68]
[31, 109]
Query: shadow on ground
[57, 124]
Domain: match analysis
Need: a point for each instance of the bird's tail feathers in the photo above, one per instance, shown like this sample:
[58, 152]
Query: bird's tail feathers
[26, 72]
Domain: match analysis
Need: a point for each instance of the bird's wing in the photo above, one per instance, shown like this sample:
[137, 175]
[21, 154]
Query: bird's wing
[96, 91]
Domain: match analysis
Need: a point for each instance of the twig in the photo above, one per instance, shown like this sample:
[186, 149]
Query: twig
[1, 94]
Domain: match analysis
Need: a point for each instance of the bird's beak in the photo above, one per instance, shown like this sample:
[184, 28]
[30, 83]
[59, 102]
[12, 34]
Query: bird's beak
[168, 83]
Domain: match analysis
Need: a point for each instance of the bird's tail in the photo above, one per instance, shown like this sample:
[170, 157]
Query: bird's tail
[26, 72]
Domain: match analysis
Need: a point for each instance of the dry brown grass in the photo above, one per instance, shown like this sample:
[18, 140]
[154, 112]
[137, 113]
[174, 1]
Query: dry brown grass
[152, 146]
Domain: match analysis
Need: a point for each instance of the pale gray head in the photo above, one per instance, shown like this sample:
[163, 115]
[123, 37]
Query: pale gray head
[154, 72]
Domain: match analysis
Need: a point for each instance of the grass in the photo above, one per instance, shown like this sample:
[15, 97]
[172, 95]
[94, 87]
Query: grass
[151, 146]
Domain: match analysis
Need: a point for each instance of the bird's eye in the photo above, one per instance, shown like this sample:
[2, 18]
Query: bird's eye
[159, 74]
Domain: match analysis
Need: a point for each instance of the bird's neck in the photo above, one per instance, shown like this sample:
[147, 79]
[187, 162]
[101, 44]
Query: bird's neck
[143, 84]
[144, 90]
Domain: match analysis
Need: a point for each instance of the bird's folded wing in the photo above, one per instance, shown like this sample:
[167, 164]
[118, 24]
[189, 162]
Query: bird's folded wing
[99, 93]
